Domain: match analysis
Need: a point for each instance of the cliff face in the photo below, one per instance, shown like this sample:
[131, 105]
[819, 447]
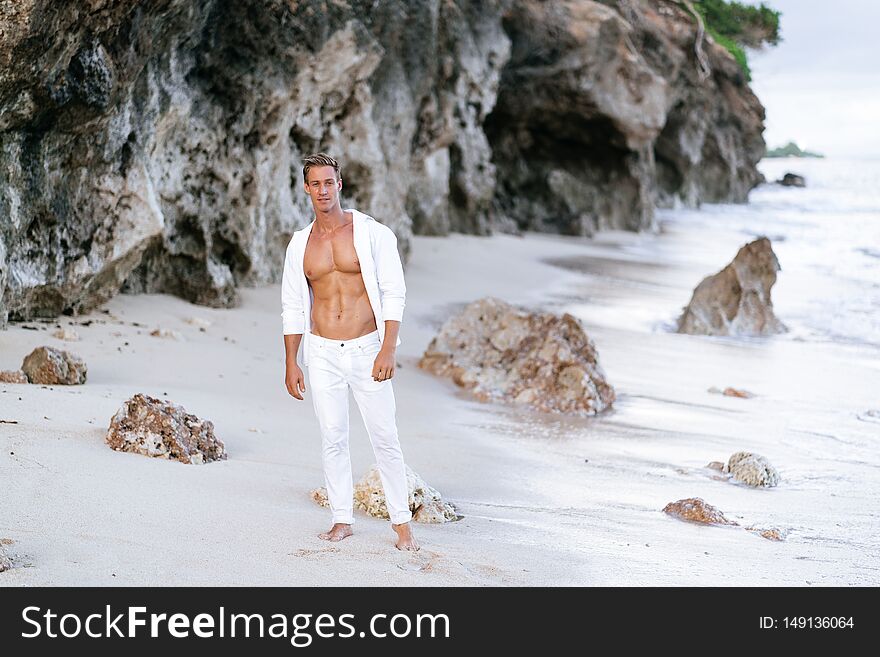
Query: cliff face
[603, 113]
[156, 145]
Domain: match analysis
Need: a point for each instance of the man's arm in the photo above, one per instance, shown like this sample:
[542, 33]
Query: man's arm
[389, 272]
[293, 322]
[292, 317]
[294, 380]
[386, 360]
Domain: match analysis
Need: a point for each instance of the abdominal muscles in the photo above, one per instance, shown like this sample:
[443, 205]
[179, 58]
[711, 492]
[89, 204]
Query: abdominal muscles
[341, 308]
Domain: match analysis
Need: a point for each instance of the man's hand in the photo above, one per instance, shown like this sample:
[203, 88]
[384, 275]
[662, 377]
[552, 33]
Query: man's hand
[383, 366]
[293, 379]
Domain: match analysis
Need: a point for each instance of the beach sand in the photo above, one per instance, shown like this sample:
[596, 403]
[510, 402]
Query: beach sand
[546, 500]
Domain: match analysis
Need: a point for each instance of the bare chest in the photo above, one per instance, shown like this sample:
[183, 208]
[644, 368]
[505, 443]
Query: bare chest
[326, 255]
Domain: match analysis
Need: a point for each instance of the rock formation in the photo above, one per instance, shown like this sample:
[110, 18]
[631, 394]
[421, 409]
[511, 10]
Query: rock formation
[425, 502]
[155, 146]
[154, 427]
[502, 353]
[752, 470]
[736, 300]
[51, 366]
[603, 113]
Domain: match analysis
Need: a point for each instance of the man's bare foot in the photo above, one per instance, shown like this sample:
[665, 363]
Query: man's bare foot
[337, 532]
[405, 538]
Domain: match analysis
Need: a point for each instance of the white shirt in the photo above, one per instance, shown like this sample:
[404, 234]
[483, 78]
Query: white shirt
[381, 270]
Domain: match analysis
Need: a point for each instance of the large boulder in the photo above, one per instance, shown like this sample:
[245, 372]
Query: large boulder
[154, 427]
[51, 366]
[503, 353]
[736, 300]
[425, 502]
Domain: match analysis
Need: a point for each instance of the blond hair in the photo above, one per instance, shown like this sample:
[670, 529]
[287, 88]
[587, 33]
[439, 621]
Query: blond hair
[319, 160]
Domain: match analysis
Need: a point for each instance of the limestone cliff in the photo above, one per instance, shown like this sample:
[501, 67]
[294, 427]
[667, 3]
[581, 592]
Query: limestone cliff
[155, 145]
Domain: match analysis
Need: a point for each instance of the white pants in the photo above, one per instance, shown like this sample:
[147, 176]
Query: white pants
[334, 365]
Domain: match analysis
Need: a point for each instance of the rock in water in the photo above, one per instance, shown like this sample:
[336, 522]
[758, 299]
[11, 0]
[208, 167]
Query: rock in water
[752, 469]
[5, 563]
[502, 353]
[13, 376]
[694, 509]
[51, 366]
[736, 300]
[154, 427]
[425, 502]
[792, 180]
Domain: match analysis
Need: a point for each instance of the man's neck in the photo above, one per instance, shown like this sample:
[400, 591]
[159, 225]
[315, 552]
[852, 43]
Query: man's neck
[327, 222]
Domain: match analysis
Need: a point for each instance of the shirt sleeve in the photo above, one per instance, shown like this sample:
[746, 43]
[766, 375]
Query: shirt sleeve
[292, 317]
[389, 272]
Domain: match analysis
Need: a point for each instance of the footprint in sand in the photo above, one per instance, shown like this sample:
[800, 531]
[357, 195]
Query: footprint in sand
[423, 561]
[303, 552]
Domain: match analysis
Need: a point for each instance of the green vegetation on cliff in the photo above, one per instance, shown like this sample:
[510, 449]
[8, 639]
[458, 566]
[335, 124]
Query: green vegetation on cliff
[791, 150]
[737, 26]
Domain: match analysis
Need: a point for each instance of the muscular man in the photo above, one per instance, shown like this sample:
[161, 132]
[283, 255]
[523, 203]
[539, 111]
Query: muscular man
[342, 296]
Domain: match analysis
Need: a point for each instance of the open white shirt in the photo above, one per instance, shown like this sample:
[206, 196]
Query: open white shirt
[381, 270]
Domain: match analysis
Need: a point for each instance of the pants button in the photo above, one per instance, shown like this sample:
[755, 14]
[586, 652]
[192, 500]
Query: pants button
[341, 344]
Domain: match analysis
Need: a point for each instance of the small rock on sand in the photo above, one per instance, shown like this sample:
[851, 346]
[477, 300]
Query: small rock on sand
[752, 469]
[51, 366]
[5, 562]
[425, 502]
[67, 334]
[170, 334]
[154, 427]
[198, 322]
[771, 534]
[694, 509]
[732, 392]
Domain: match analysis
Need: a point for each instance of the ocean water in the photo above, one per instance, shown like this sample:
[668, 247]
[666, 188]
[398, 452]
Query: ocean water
[815, 410]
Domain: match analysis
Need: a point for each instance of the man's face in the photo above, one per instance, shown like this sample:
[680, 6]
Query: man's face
[323, 187]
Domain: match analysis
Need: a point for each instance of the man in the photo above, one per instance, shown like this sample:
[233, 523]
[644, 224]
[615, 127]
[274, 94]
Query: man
[342, 296]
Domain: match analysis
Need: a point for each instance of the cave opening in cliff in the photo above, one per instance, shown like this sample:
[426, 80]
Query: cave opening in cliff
[560, 173]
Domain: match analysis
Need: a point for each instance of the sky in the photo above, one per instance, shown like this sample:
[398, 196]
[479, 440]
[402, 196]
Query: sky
[821, 84]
